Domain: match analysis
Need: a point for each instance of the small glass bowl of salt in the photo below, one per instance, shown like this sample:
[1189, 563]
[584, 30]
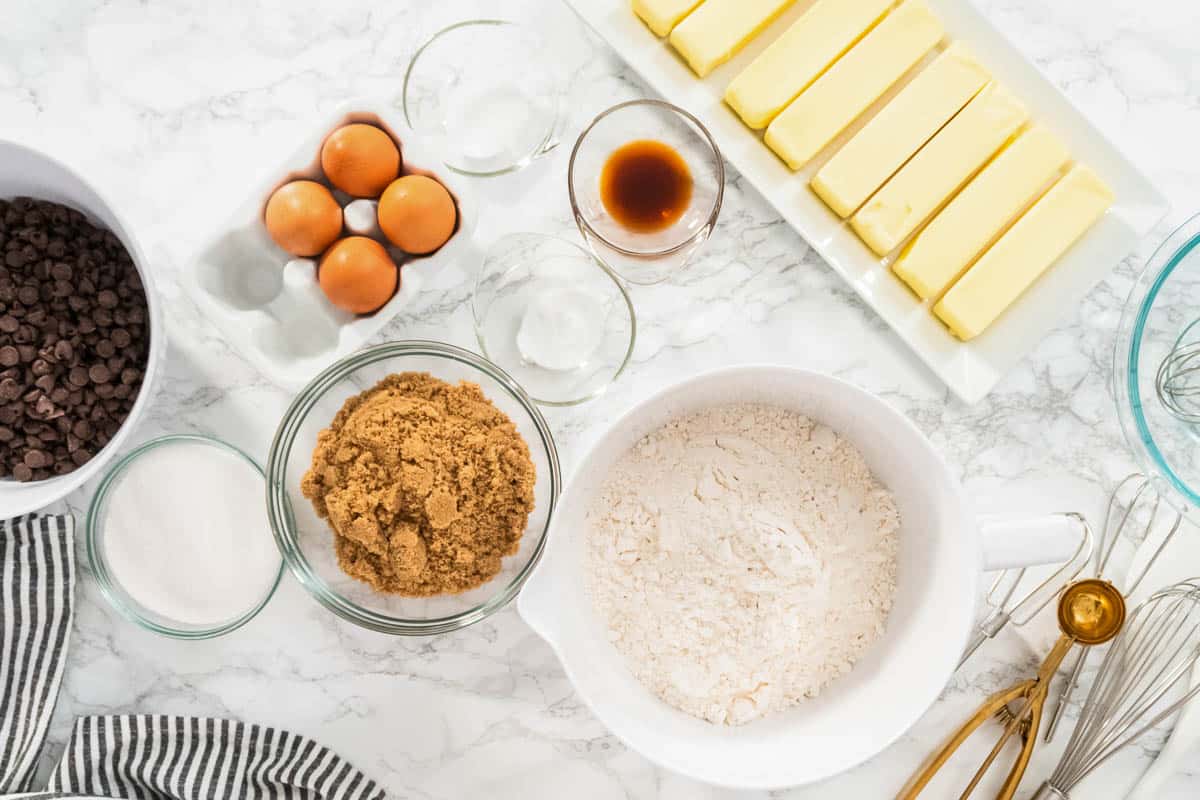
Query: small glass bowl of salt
[553, 316]
[179, 540]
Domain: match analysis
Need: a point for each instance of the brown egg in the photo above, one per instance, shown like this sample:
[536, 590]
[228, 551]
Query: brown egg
[358, 275]
[360, 159]
[303, 218]
[417, 214]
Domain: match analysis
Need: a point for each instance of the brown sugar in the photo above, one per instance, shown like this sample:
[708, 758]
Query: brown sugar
[427, 485]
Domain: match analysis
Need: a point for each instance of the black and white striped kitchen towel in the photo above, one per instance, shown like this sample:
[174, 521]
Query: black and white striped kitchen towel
[129, 757]
[189, 758]
[37, 601]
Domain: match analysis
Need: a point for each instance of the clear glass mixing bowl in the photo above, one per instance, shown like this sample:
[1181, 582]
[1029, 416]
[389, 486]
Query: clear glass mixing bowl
[307, 541]
[110, 586]
[1163, 304]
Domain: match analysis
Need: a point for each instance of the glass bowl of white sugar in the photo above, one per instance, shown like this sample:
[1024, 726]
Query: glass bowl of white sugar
[179, 540]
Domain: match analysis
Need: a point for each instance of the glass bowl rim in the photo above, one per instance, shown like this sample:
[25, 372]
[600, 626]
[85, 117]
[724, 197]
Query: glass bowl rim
[704, 230]
[279, 507]
[606, 269]
[108, 584]
[548, 142]
[1170, 254]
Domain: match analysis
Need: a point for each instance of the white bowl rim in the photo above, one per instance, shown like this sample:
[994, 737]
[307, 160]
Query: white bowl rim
[955, 638]
[40, 494]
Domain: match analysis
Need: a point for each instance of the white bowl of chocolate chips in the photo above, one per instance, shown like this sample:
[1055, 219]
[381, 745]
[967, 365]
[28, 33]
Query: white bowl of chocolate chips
[80, 337]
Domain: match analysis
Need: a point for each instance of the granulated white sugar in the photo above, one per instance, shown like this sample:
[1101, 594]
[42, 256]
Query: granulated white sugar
[186, 534]
[743, 557]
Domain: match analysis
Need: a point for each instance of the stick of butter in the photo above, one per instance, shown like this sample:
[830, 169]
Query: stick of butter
[939, 168]
[661, 16]
[826, 30]
[856, 80]
[718, 29]
[911, 118]
[1024, 252]
[940, 252]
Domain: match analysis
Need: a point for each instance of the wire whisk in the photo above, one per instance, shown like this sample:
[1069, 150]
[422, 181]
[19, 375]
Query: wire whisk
[1133, 501]
[1178, 379]
[1137, 686]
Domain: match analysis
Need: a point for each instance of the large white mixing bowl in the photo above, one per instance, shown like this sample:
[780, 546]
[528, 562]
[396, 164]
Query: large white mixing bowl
[24, 171]
[942, 553]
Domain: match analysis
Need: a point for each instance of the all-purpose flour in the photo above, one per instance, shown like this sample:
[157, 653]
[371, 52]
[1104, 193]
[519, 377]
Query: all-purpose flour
[743, 557]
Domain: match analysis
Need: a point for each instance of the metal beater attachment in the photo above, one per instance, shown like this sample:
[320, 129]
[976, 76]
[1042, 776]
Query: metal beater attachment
[1148, 660]
[1005, 586]
[1134, 499]
[1178, 380]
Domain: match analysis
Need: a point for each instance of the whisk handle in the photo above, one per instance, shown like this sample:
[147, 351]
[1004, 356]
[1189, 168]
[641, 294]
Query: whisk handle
[1060, 704]
[1048, 792]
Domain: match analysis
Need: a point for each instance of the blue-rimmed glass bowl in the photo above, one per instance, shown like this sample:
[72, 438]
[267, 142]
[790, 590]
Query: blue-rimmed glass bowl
[1164, 302]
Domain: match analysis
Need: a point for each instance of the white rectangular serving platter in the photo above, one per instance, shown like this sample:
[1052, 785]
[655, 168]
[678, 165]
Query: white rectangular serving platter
[281, 321]
[971, 368]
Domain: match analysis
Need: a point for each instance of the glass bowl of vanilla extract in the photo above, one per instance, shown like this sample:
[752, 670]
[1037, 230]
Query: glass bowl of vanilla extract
[646, 180]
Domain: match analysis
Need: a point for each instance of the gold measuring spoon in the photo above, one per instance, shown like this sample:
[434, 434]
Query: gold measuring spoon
[1090, 612]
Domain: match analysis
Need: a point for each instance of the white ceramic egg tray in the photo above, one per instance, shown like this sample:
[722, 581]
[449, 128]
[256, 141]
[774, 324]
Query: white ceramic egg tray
[971, 368]
[267, 303]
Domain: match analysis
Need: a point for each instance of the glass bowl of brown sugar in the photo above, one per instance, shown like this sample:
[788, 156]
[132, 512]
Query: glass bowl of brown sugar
[410, 487]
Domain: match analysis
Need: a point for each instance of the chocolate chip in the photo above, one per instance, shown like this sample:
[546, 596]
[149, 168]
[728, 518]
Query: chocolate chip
[73, 338]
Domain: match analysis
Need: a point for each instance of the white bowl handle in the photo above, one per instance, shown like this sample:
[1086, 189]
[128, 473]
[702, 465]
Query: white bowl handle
[1021, 541]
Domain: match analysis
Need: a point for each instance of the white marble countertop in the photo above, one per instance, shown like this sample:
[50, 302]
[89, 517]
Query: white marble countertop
[169, 107]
